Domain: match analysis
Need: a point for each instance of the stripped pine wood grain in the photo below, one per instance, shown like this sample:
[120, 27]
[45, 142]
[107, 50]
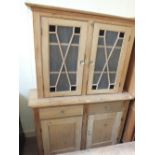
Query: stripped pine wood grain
[34, 101]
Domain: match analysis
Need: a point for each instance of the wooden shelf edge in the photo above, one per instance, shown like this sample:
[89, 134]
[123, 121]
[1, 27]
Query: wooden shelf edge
[36, 102]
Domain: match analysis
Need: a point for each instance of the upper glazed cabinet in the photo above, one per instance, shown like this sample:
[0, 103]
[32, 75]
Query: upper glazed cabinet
[80, 54]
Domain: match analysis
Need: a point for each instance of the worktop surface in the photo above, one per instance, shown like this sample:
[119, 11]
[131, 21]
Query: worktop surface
[36, 102]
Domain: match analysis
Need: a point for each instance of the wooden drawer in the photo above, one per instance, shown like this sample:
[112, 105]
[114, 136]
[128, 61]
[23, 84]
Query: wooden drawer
[97, 108]
[58, 112]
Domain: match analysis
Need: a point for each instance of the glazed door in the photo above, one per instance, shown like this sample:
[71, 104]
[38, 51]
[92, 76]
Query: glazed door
[109, 48]
[63, 49]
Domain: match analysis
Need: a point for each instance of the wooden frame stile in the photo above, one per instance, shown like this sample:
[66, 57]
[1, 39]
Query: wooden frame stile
[38, 131]
[84, 127]
[38, 55]
[127, 63]
[87, 57]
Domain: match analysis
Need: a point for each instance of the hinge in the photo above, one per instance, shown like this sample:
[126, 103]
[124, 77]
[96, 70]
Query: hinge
[129, 38]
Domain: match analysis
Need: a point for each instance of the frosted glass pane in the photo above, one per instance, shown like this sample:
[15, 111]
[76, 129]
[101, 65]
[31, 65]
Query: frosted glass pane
[55, 58]
[72, 79]
[53, 78]
[63, 84]
[104, 82]
[100, 59]
[101, 41]
[111, 38]
[114, 59]
[64, 48]
[119, 42]
[100, 77]
[72, 57]
[75, 39]
[52, 38]
[112, 77]
[96, 77]
[64, 33]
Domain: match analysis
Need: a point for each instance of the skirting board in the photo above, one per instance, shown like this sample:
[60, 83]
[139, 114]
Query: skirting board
[30, 133]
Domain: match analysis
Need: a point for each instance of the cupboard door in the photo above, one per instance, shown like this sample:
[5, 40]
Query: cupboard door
[63, 47]
[61, 135]
[108, 56]
[103, 129]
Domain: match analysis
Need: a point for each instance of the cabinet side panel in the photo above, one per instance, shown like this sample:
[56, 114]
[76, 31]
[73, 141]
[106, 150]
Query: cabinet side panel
[129, 129]
[123, 119]
[128, 132]
[38, 56]
[130, 79]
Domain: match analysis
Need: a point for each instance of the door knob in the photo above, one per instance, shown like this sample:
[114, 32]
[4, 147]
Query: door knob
[82, 62]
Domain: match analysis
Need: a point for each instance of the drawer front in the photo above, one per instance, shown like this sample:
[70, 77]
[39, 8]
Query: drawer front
[58, 112]
[105, 107]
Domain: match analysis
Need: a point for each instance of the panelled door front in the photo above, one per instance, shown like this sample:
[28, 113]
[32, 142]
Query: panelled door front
[61, 135]
[109, 48]
[103, 129]
[63, 48]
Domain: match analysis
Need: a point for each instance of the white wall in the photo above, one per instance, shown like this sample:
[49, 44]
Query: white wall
[27, 76]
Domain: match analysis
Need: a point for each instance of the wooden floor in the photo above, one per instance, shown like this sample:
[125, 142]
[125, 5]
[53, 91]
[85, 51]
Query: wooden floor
[119, 149]
[30, 146]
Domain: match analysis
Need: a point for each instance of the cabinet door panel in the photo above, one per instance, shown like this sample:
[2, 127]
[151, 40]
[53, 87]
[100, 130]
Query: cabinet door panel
[63, 47]
[109, 48]
[103, 129]
[61, 135]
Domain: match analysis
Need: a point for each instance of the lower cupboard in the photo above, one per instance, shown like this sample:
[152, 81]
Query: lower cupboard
[75, 127]
[61, 135]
